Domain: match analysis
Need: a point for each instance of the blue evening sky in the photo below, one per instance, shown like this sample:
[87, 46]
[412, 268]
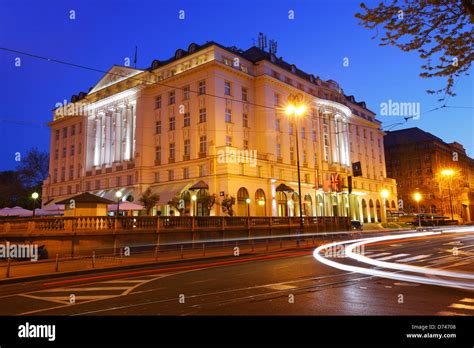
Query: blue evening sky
[106, 32]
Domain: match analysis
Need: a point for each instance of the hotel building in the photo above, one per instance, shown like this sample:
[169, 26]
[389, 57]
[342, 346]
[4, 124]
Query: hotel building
[211, 120]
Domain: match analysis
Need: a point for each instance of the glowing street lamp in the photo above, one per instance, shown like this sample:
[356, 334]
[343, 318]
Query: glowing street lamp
[449, 173]
[35, 196]
[297, 108]
[417, 197]
[248, 206]
[118, 195]
[194, 198]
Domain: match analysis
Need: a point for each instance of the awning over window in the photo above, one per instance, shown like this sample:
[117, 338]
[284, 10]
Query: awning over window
[168, 191]
[284, 188]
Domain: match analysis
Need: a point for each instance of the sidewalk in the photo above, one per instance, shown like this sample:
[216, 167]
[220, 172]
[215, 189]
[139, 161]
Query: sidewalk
[27, 270]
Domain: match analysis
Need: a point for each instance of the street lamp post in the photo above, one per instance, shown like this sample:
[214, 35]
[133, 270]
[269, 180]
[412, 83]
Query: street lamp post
[297, 108]
[118, 195]
[418, 199]
[449, 173]
[35, 196]
[248, 206]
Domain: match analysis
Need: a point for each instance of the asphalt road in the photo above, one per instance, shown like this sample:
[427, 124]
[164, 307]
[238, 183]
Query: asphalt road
[283, 283]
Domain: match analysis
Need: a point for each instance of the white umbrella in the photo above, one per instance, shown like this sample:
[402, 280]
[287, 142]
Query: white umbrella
[19, 211]
[4, 211]
[125, 206]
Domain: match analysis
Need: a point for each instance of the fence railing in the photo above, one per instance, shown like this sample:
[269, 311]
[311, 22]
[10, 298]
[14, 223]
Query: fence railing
[155, 223]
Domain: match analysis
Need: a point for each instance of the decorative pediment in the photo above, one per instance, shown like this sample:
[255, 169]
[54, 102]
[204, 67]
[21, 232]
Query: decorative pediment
[114, 75]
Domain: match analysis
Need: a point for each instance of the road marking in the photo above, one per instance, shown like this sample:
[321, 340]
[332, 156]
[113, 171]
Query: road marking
[413, 258]
[381, 254]
[451, 313]
[281, 287]
[461, 306]
[391, 257]
[80, 289]
[122, 281]
[468, 300]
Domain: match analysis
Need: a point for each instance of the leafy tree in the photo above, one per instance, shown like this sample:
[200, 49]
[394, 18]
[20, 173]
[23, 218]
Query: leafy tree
[439, 30]
[208, 202]
[174, 202]
[33, 168]
[149, 200]
[12, 191]
[227, 205]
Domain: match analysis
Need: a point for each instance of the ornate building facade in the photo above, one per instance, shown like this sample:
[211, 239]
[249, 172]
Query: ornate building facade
[211, 120]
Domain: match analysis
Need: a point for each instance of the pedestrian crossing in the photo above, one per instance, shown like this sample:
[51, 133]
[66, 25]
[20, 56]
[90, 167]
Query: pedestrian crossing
[462, 307]
[92, 291]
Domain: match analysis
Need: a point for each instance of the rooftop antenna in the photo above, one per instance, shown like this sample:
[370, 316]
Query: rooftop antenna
[273, 46]
[135, 58]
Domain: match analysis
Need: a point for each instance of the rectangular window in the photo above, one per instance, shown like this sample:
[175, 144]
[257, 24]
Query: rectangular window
[158, 127]
[228, 141]
[326, 142]
[97, 184]
[171, 98]
[202, 115]
[202, 145]
[187, 119]
[56, 154]
[172, 152]
[172, 123]
[64, 152]
[88, 186]
[241, 169]
[129, 180]
[228, 115]
[244, 94]
[307, 178]
[303, 132]
[185, 92]
[313, 136]
[227, 88]
[278, 151]
[72, 150]
[292, 153]
[57, 134]
[55, 176]
[71, 172]
[186, 173]
[245, 120]
[170, 175]
[157, 176]
[276, 99]
[118, 181]
[158, 102]
[290, 129]
[65, 132]
[187, 147]
[158, 154]
[246, 144]
[73, 130]
[202, 87]
[202, 170]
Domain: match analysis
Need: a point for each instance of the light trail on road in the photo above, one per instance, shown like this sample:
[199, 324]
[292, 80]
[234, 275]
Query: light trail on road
[352, 244]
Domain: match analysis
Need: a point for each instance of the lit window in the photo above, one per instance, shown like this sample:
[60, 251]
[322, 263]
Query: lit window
[227, 88]
[228, 115]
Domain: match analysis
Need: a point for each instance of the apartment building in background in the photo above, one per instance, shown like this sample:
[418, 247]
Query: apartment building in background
[417, 160]
[211, 120]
